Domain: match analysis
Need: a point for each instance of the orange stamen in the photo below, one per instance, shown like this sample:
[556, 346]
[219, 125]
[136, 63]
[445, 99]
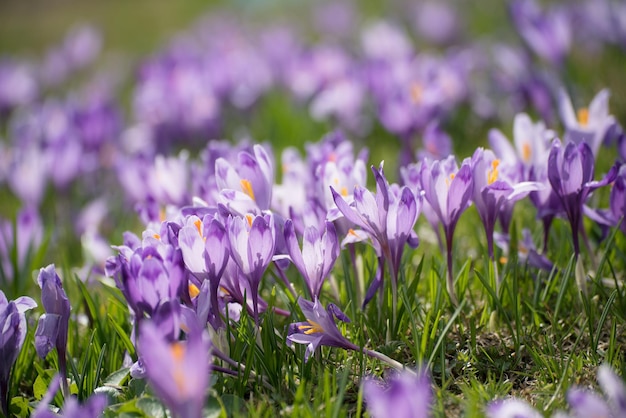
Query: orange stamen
[313, 328]
[156, 236]
[198, 225]
[583, 117]
[249, 218]
[526, 152]
[246, 187]
[193, 290]
[492, 176]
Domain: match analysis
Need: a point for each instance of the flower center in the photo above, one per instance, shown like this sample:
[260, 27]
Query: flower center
[312, 328]
[492, 175]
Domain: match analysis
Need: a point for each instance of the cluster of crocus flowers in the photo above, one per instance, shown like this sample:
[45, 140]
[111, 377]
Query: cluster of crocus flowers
[13, 333]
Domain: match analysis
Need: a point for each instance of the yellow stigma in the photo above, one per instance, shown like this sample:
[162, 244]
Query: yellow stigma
[246, 187]
[503, 260]
[198, 225]
[344, 191]
[162, 215]
[526, 152]
[417, 92]
[351, 232]
[312, 328]
[249, 218]
[492, 176]
[156, 236]
[193, 290]
[583, 117]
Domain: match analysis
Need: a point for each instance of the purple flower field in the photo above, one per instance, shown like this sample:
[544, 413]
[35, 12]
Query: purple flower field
[328, 209]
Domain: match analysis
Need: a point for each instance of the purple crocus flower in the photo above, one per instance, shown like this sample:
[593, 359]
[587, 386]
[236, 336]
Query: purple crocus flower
[252, 241]
[511, 408]
[547, 33]
[589, 124]
[495, 192]
[205, 248]
[91, 408]
[388, 217]
[407, 395]
[148, 272]
[571, 172]
[52, 327]
[318, 255]
[177, 371]
[448, 190]
[246, 187]
[320, 328]
[13, 333]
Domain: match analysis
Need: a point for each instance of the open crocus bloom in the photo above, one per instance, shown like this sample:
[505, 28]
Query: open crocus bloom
[320, 328]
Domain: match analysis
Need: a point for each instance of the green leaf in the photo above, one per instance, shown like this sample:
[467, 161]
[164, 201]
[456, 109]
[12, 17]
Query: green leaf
[152, 407]
[118, 377]
[40, 387]
[20, 407]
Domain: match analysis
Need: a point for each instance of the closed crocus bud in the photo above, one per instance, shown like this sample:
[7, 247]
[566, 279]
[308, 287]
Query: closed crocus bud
[571, 173]
[53, 325]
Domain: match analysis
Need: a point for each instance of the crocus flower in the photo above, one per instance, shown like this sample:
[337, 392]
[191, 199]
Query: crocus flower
[148, 272]
[177, 371]
[448, 190]
[252, 242]
[317, 258]
[205, 248]
[388, 217]
[495, 192]
[319, 329]
[571, 172]
[53, 325]
[13, 333]
[589, 124]
[407, 395]
[91, 408]
[511, 408]
[248, 185]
